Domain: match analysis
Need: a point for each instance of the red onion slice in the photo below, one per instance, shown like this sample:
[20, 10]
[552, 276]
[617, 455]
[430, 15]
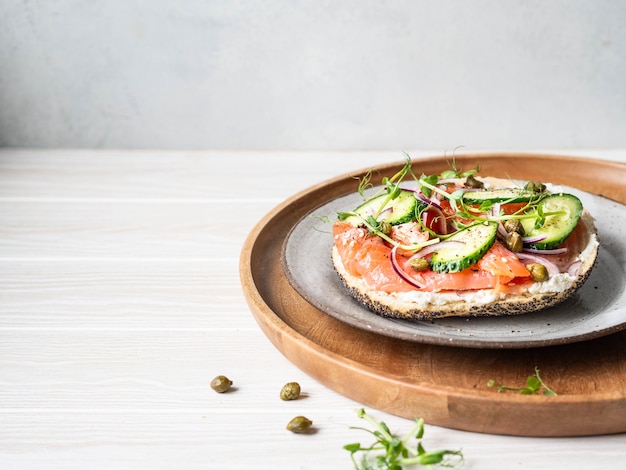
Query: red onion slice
[573, 268]
[534, 239]
[430, 202]
[550, 266]
[384, 213]
[398, 269]
[556, 251]
[501, 230]
[434, 247]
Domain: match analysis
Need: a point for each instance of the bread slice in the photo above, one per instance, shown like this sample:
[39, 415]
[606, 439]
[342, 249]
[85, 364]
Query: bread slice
[430, 305]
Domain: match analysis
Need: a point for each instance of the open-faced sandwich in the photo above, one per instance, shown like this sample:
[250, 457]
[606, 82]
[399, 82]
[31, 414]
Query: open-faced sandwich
[462, 244]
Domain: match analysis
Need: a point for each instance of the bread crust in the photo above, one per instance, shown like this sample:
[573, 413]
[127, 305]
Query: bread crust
[469, 303]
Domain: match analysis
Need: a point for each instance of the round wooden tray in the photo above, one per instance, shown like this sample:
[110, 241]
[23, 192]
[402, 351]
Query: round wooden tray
[447, 386]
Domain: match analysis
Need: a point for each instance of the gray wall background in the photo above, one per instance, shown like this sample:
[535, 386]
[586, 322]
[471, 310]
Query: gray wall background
[298, 74]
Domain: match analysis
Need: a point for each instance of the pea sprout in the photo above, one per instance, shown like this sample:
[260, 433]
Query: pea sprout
[534, 384]
[389, 452]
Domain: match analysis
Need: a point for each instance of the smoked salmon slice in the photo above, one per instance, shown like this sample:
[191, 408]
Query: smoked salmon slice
[367, 256]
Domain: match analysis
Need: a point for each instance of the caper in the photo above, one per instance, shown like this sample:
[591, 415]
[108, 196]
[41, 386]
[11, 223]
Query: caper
[513, 241]
[299, 424]
[471, 182]
[538, 272]
[290, 391]
[535, 186]
[514, 225]
[419, 264]
[221, 384]
[385, 228]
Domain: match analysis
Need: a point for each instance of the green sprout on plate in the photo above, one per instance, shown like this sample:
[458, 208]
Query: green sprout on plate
[534, 385]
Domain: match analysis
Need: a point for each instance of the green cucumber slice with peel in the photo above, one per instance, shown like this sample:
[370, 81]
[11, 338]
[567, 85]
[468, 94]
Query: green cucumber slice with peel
[509, 195]
[475, 241]
[555, 228]
[399, 210]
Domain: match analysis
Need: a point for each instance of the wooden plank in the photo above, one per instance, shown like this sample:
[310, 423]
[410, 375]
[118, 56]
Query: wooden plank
[142, 371]
[254, 438]
[101, 230]
[177, 175]
[122, 294]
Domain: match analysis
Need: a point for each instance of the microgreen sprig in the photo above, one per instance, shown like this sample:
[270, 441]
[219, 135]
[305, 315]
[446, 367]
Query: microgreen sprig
[465, 214]
[455, 172]
[534, 384]
[392, 185]
[540, 216]
[365, 182]
[389, 452]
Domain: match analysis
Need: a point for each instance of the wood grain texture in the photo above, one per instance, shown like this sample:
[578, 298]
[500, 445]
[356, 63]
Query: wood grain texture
[447, 386]
[121, 294]
[120, 300]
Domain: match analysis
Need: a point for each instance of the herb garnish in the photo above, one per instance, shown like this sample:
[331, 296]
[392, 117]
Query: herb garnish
[534, 384]
[434, 186]
[389, 452]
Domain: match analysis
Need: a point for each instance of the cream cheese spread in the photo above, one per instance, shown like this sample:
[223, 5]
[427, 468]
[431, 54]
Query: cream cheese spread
[424, 299]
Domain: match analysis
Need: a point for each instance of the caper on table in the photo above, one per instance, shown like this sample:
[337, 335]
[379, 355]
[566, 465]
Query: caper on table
[290, 391]
[299, 424]
[221, 384]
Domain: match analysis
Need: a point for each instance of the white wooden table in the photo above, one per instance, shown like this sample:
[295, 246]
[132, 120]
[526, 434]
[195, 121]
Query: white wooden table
[120, 301]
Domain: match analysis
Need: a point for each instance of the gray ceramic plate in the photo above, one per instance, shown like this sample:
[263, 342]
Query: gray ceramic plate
[597, 309]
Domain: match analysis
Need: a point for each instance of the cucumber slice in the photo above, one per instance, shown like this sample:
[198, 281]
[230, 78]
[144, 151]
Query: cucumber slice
[476, 241]
[397, 211]
[510, 195]
[556, 228]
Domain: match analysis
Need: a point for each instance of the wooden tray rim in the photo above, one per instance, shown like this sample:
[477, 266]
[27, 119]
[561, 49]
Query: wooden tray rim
[287, 340]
